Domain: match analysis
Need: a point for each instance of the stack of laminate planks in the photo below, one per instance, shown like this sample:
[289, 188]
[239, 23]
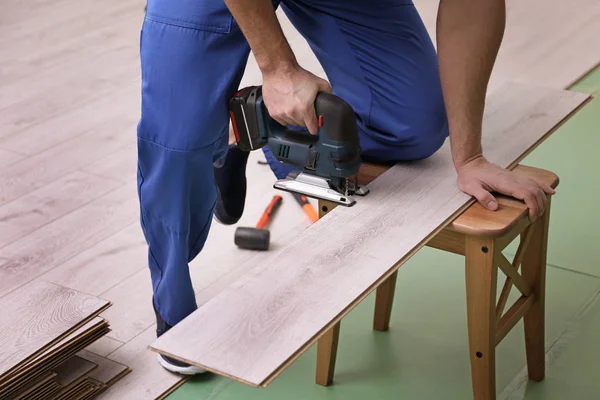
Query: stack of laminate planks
[45, 330]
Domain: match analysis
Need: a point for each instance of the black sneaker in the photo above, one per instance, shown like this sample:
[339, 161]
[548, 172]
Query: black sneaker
[169, 363]
[230, 177]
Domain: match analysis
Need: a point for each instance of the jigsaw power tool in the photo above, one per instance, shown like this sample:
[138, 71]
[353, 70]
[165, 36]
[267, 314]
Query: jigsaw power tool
[327, 163]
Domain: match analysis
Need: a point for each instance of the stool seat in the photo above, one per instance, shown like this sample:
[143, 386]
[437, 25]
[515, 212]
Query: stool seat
[476, 220]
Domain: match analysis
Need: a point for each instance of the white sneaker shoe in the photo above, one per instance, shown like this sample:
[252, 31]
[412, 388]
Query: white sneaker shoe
[173, 365]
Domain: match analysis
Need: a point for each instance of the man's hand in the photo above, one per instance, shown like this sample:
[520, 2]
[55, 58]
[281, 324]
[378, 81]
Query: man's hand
[290, 94]
[479, 178]
[289, 91]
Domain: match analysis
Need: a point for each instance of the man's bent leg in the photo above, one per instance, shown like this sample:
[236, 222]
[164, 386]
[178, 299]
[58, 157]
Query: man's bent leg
[192, 60]
[379, 57]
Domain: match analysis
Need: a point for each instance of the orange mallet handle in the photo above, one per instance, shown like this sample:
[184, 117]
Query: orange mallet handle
[307, 207]
[271, 208]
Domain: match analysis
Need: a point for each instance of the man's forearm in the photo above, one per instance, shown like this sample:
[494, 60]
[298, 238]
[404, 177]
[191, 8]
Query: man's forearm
[258, 22]
[469, 33]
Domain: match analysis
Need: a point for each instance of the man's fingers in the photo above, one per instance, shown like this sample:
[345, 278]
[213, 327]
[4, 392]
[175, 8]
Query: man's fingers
[485, 198]
[547, 189]
[310, 119]
[324, 86]
[531, 203]
[280, 120]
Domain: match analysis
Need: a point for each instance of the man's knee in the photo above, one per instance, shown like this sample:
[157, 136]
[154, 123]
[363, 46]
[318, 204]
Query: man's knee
[405, 135]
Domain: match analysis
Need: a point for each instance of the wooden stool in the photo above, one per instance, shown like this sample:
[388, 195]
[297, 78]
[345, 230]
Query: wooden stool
[480, 235]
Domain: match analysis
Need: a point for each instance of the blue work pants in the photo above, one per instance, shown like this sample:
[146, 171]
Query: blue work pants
[377, 56]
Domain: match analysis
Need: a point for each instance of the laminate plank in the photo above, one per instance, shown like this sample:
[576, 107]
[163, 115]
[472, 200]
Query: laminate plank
[56, 242]
[116, 57]
[67, 44]
[120, 165]
[132, 302]
[108, 371]
[27, 113]
[39, 315]
[550, 48]
[39, 170]
[105, 264]
[147, 380]
[40, 366]
[270, 316]
[8, 157]
[115, 106]
[104, 346]
[54, 23]
[35, 209]
[48, 383]
[75, 368]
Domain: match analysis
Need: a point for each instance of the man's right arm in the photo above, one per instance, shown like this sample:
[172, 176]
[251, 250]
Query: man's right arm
[289, 91]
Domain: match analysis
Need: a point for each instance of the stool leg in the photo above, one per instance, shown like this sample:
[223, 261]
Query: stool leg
[534, 272]
[481, 273]
[326, 355]
[383, 303]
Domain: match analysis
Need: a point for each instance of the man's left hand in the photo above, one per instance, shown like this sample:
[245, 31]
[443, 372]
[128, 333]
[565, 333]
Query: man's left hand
[479, 178]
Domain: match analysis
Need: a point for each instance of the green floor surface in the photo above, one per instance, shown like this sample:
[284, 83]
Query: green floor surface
[574, 372]
[425, 354]
[589, 84]
[572, 153]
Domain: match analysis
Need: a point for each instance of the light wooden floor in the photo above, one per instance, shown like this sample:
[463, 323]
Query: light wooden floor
[69, 103]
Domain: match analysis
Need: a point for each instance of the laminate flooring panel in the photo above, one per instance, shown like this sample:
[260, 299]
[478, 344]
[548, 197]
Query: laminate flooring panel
[18, 117]
[56, 242]
[104, 346]
[549, 48]
[8, 157]
[271, 315]
[106, 264]
[40, 367]
[132, 311]
[48, 203]
[108, 372]
[69, 44]
[147, 380]
[120, 165]
[45, 384]
[73, 370]
[44, 314]
[34, 27]
[42, 168]
[120, 106]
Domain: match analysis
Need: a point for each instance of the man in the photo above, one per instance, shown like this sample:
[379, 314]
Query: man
[377, 56]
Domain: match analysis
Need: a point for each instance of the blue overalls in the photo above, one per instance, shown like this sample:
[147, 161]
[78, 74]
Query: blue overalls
[377, 56]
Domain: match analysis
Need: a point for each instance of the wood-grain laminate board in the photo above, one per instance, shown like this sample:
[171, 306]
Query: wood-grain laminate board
[108, 371]
[116, 106]
[266, 319]
[147, 380]
[37, 208]
[120, 165]
[132, 311]
[75, 368]
[32, 373]
[59, 20]
[8, 157]
[104, 346]
[71, 43]
[56, 242]
[38, 315]
[550, 48]
[104, 265]
[40, 169]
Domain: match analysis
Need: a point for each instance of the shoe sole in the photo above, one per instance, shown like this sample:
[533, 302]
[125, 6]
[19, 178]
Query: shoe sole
[191, 370]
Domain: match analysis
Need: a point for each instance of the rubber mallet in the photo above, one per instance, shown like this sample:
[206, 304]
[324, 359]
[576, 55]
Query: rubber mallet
[258, 238]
